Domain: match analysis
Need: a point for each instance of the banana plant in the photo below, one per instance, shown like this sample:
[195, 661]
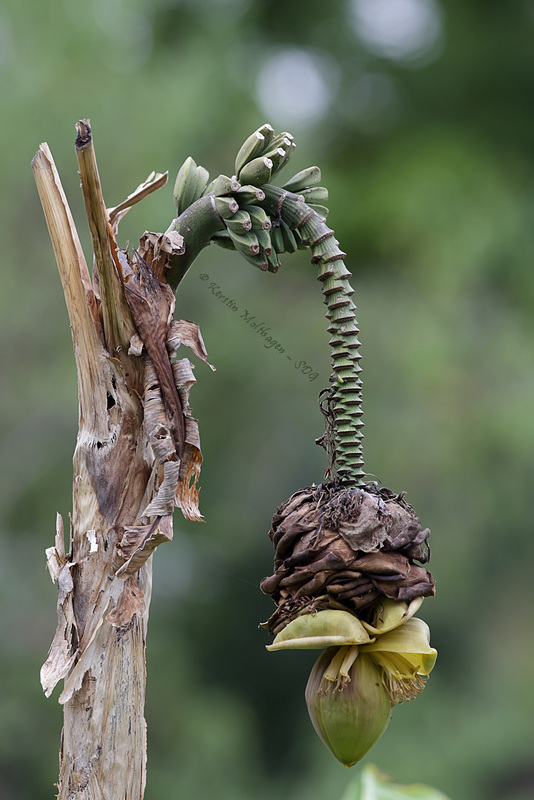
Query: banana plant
[349, 554]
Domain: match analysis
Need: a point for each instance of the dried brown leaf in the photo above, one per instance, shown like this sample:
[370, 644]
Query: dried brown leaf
[104, 601]
[138, 543]
[163, 503]
[152, 306]
[186, 498]
[157, 249]
[343, 548]
[61, 655]
[187, 333]
[136, 345]
[156, 422]
[184, 380]
[154, 181]
[131, 601]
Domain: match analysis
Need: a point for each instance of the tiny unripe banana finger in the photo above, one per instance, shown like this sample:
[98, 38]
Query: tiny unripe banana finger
[311, 176]
[202, 178]
[274, 262]
[264, 240]
[189, 185]
[257, 172]
[289, 237]
[253, 146]
[180, 185]
[223, 185]
[280, 154]
[246, 243]
[315, 194]
[277, 156]
[226, 206]
[289, 152]
[284, 140]
[277, 240]
[248, 195]
[259, 217]
[240, 222]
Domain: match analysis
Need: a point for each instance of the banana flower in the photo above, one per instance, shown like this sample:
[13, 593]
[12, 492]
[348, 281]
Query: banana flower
[366, 669]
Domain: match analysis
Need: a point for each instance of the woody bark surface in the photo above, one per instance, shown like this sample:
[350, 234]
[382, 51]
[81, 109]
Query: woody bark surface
[136, 458]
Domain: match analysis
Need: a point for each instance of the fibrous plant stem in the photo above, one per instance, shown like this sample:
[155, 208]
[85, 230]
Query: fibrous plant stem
[117, 321]
[345, 396]
[103, 750]
[197, 224]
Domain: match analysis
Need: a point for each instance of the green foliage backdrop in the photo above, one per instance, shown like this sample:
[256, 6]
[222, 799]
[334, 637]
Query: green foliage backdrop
[424, 128]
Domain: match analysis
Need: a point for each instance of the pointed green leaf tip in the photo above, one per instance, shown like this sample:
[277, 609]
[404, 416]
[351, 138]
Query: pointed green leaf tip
[372, 785]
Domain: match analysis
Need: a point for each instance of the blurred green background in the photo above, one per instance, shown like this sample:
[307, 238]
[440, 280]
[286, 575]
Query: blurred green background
[420, 114]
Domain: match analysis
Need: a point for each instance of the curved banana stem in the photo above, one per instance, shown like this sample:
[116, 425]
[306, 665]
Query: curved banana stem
[197, 224]
[346, 394]
[260, 221]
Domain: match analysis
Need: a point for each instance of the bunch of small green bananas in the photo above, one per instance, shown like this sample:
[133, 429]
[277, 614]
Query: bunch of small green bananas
[252, 222]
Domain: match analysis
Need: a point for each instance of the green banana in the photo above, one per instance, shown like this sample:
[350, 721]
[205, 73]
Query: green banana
[284, 140]
[254, 146]
[226, 206]
[247, 195]
[264, 240]
[190, 183]
[289, 152]
[259, 217]
[248, 246]
[315, 194]
[277, 240]
[274, 262]
[240, 222]
[277, 156]
[246, 242]
[280, 151]
[290, 238]
[257, 171]
[223, 185]
[311, 176]
[321, 210]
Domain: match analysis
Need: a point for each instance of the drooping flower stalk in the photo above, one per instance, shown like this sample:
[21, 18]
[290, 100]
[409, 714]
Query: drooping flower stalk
[345, 550]
[344, 423]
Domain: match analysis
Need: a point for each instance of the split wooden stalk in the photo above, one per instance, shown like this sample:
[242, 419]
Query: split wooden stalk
[103, 749]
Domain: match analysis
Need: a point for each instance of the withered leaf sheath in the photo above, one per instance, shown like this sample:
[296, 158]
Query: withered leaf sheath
[345, 548]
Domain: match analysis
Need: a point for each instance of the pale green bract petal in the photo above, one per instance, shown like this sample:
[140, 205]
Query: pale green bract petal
[352, 716]
[406, 658]
[392, 613]
[411, 640]
[328, 628]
